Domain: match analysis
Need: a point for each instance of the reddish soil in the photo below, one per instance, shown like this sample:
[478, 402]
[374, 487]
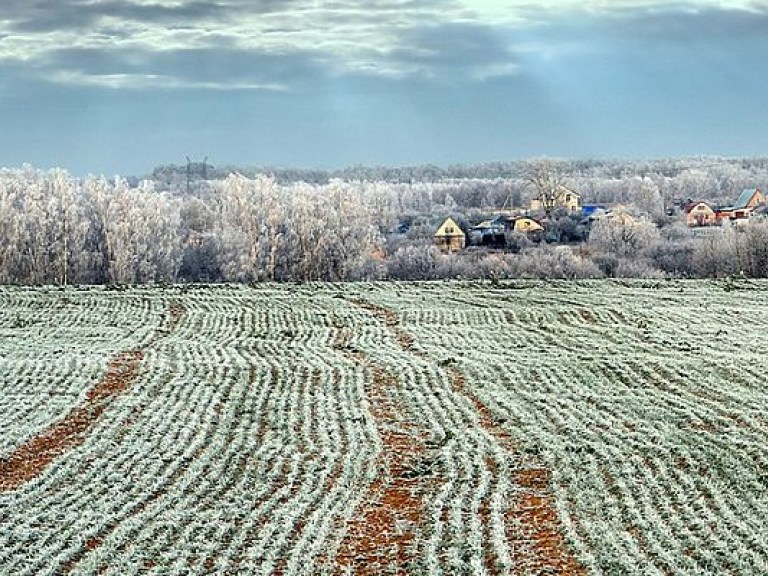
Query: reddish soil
[531, 517]
[379, 538]
[30, 459]
[392, 321]
[380, 535]
[532, 526]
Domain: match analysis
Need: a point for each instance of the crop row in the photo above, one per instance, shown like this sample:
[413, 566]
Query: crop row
[430, 428]
[645, 402]
[228, 453]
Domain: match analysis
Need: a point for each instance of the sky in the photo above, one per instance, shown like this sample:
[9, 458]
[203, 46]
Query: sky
[119, 87]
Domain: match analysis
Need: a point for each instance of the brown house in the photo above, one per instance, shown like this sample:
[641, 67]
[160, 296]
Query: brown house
[745, 205]
[449, 237]
[749, 199]
[700, 214]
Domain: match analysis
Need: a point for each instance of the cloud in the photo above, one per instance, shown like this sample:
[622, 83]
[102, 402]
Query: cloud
[219, 68]
[255, 44]
[155, 82]
[453, 51]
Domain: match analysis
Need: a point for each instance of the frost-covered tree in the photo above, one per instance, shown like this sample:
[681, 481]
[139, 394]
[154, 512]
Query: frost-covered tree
[134, 231]
[545, 178]
[624, 237]
[42, 230]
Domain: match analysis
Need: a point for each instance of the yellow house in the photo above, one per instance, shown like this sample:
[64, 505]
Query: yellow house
[527, 225]
[449, 236]
[562, 197]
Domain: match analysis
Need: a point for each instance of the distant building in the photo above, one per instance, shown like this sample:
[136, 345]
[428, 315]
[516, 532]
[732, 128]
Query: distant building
[749, 199]
[562, 197]
[527, 226]
[744, 206]
[449, 237]
[489, 232]
[700, 214]
[589, 209]
[621, 216]
[493, 232]
[617, 213]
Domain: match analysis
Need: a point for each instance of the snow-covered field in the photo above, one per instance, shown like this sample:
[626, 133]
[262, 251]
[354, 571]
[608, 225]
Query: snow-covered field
[437, 428]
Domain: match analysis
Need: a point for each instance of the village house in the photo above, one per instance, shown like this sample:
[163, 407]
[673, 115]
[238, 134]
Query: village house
[749, 199]
[700, 214]
[563, 197]
[526, 226]
[493, 232]
[616, 213]
[449, 237]
[489, 232]
[621, 216]
[743, 208]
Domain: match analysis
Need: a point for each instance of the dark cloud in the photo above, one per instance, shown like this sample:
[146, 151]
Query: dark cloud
[451, 51]
[426, 48]
[210, 66]
[43, 16]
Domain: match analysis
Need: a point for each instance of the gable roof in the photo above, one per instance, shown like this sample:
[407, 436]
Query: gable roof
[744, 198]
[527, 225]
[565, 190]
[485, 224]
[689, 207]
[449, 224]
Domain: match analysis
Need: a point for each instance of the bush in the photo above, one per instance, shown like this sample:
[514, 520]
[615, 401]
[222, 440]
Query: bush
[639, 268]
[555, 262]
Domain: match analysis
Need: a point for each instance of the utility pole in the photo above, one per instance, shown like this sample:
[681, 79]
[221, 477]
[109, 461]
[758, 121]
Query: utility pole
[189, 174]
[198, 172]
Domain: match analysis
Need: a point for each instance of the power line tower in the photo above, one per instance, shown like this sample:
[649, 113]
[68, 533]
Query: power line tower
[200, 170]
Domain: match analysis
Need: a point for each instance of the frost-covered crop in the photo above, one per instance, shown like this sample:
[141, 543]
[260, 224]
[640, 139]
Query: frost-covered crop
[436, 428]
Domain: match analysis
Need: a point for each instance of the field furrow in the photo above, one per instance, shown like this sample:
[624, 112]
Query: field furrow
[485, 429]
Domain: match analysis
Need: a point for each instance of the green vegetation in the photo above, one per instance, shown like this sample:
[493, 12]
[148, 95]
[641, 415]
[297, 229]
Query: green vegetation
[606, 426]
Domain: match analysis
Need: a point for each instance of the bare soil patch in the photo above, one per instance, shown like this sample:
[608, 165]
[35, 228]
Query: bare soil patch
[30, 459]
[532, 526]
[379, 538]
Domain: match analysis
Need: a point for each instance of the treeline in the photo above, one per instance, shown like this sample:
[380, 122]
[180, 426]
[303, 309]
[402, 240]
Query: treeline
[704, 174]
[56, 229]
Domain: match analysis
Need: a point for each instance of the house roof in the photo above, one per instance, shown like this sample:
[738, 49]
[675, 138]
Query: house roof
[528, 224]
[690, 206]
[447, 224]
[744, 198]
[485, 224]
[565, 190]
[498, 221]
